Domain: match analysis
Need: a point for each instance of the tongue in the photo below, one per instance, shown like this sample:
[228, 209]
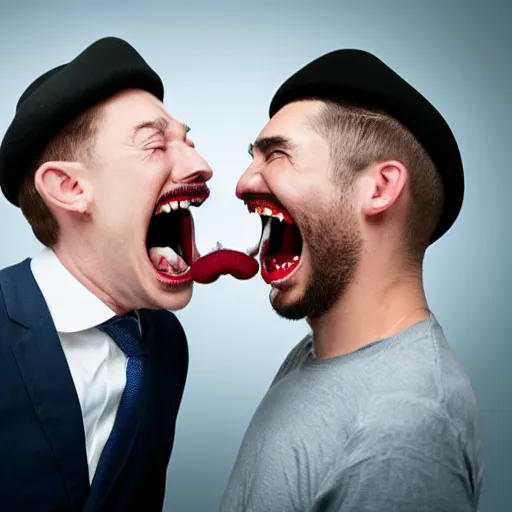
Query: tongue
[210, 267]
[166, 260]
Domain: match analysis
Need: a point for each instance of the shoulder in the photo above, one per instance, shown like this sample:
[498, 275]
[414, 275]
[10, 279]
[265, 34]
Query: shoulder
[406, 426]
[163, 319]
[409, 455]
[13, 271]
[456, 390]
[401, 413]
[167, 331]
[13, 284]
[421, 364]
[3, 306]
[448, 386]
[168, 345]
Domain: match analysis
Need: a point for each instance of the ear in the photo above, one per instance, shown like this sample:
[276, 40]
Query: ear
[386, 182]
[64, 185]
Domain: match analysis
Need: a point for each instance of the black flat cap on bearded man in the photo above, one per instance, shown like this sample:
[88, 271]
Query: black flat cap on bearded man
[359, 76]
[50, 102]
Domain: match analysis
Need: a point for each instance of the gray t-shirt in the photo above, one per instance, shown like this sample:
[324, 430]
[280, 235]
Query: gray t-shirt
[391, 427]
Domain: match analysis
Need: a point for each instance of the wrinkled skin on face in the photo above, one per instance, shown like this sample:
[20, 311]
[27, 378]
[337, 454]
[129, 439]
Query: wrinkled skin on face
[292, 172]
[135, 168]
[142, 163]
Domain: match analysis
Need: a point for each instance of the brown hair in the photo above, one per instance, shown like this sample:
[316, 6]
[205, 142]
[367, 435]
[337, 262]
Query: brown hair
[359, 137]
[74, 142]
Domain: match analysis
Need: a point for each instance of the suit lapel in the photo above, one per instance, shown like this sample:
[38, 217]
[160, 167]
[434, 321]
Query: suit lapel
[45, 372]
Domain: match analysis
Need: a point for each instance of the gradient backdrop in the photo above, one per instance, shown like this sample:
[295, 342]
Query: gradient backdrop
[221, 62]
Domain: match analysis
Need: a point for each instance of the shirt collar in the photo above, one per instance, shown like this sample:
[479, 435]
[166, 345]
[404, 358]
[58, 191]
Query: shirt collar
[72, 306]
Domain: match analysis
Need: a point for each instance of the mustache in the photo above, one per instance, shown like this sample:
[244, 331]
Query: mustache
[199, 189]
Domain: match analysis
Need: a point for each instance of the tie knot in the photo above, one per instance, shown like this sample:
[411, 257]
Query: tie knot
[124, 330]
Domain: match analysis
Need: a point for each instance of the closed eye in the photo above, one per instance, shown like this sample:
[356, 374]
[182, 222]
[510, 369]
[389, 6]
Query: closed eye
[157, 145]
[271, 155]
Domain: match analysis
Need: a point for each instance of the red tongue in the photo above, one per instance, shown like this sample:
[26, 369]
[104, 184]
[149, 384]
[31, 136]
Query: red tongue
[210, 267]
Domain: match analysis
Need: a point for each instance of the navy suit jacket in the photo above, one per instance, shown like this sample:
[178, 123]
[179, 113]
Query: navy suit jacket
[43, 463]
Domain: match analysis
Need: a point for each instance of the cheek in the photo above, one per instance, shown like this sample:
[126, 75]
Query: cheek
[156, 171]
[143, 183]
[120, 202]
[307, 182]
[285, 183]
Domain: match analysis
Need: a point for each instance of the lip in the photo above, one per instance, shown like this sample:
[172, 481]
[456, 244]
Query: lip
[254, 204]
[172, 281]
[279, 282]
[184, 193]
[175, 281]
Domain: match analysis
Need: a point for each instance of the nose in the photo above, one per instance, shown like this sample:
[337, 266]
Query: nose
[190, 167]
[251, 181]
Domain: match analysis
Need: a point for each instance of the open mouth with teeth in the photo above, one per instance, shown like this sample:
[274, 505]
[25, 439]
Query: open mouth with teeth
[281, 241]
[170, 239]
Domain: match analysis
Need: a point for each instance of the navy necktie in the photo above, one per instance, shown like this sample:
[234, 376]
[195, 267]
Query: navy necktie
[125, 332]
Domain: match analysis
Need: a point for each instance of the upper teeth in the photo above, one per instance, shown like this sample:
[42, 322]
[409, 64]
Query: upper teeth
[267, 212]
[175, 205]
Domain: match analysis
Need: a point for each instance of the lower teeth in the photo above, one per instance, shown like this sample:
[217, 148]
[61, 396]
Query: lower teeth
[272, 263]
[168, 261]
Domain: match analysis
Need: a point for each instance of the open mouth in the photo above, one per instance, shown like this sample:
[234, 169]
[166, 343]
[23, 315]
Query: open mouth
[170, 239]
[281, 241]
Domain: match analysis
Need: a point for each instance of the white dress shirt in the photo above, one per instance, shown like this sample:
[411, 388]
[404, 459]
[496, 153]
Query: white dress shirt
[96, 363]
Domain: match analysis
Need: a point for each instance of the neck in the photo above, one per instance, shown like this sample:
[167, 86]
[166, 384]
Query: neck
[372, 308]
[89, 273]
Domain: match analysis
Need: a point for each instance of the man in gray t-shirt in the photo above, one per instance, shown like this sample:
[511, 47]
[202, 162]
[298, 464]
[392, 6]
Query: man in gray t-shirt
[390, 426]
[354, 176]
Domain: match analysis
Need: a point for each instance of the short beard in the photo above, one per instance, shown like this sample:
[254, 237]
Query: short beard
[335, 249]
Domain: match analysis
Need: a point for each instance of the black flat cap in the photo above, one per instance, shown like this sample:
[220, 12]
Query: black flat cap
[106, 67]
[360, 77]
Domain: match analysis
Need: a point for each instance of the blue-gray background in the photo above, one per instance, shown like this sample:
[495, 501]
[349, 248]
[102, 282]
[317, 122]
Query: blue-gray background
[221, 62]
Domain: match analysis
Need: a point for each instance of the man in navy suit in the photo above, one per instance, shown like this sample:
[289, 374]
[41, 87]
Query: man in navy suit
[92, 362]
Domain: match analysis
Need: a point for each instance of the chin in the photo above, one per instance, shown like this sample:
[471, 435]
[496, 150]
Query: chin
[172, 298]
[296, 296]
[177, 299]
[309, 263]
[288, 303]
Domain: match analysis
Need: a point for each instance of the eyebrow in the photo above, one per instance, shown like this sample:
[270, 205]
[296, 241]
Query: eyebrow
[266, 144]
[159, 124]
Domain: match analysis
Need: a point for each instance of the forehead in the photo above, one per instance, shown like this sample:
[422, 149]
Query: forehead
[128, 108]
[293, 121]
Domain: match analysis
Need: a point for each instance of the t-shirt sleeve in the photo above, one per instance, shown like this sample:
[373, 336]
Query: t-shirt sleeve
[403, 457]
